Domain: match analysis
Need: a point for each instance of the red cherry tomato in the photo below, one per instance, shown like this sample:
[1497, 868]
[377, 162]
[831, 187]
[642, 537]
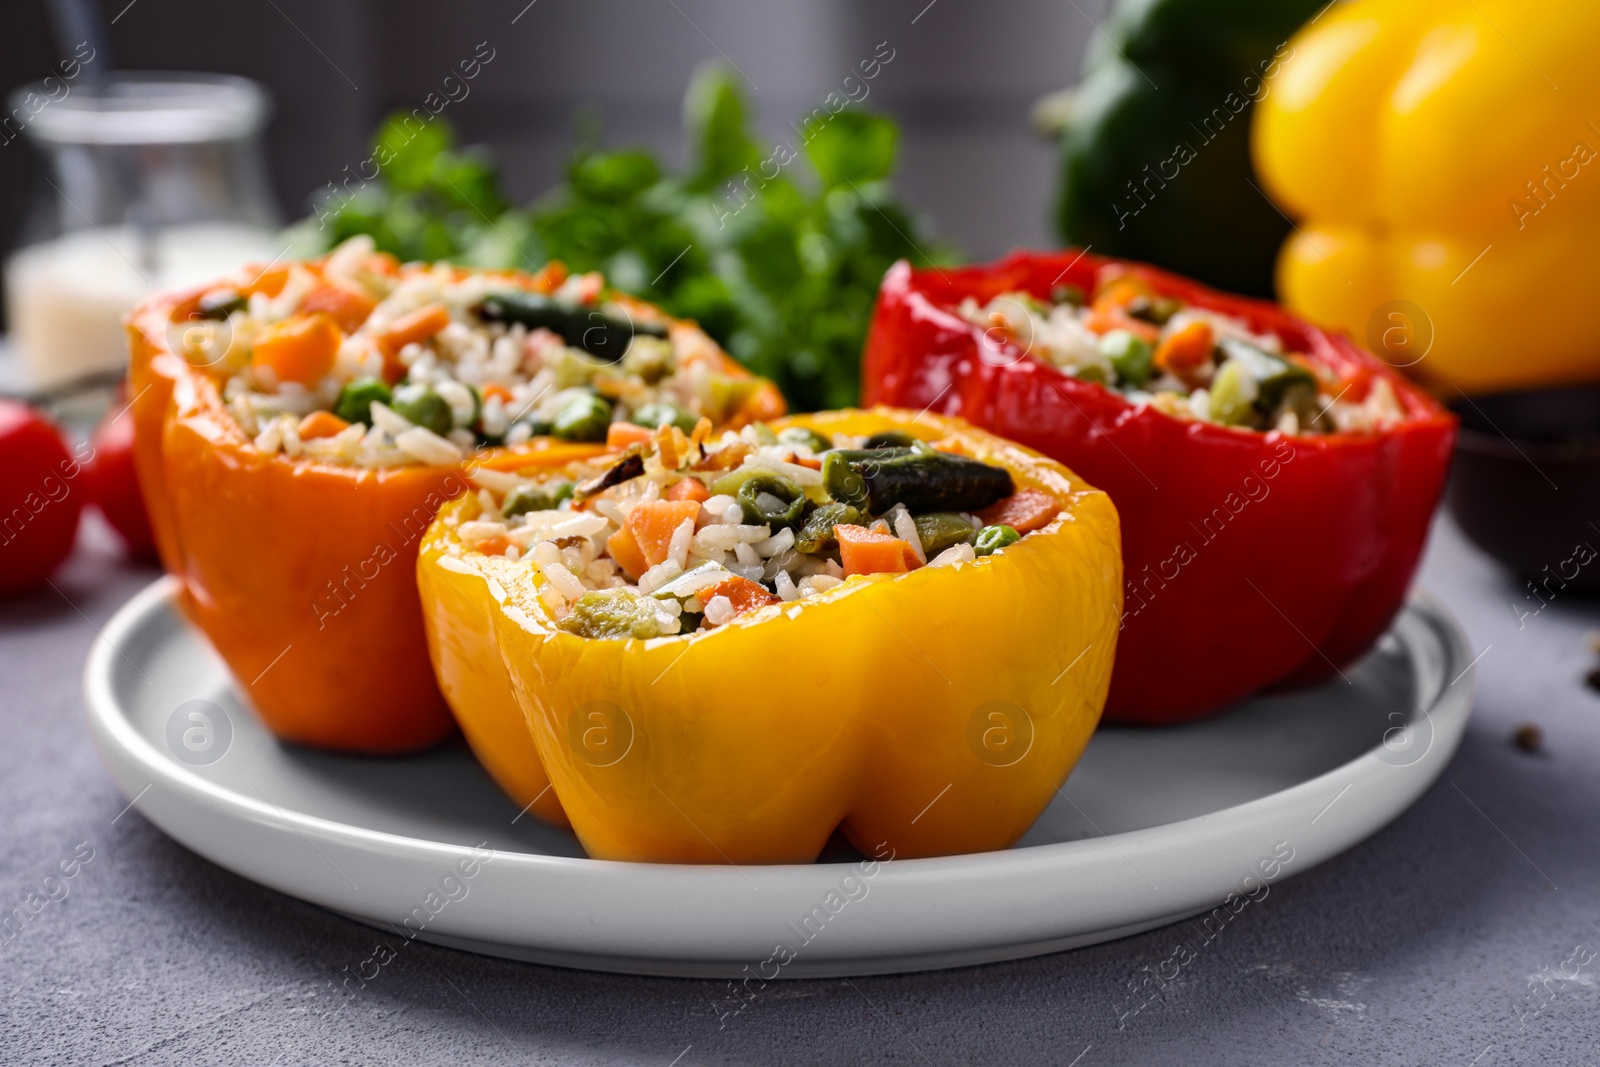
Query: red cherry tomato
[41, 496]
[116, 486]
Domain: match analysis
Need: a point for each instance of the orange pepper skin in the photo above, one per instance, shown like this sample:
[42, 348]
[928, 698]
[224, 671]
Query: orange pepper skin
[691, 749]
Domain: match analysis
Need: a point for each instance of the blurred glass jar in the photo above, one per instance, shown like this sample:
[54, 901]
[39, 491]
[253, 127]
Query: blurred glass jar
[154, 183]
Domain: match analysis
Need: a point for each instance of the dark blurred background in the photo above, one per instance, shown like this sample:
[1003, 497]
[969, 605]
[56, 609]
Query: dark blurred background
[961, 83]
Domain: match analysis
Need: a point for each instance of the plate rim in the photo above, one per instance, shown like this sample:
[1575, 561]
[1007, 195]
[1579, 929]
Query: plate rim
[124, 749]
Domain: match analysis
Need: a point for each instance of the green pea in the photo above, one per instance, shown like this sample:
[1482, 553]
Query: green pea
[356, 398]
[583, 418]
[771, 499]
[419, 405]
[1130, 355]
[889, 439]
[799, 435]
[992, 539]
[222, 303]
[661, 414]
[941, 529]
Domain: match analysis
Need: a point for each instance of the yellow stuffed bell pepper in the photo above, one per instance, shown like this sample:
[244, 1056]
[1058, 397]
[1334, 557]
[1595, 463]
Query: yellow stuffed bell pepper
[1440, 157]
[726, 649]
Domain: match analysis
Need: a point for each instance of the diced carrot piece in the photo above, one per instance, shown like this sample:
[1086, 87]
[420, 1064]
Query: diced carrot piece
[493, 546]
[863, 551]
[413, 328]
[270, 281]
[624, 550]
[742, 593]
[320, 424]
[689, 489]
[953, 445]
[805, 461]
[495, 391]
[672, 447]
[1024, 511]
[1103, 322]
[549, 277]
[654, 524]
[725, 458]
[301, 349]
[348, 307]
[701, 432]
[623, 434]
[1120, 291]
[1184, 351]
[382, 263]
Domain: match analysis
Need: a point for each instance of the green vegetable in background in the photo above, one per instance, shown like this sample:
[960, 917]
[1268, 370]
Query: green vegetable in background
[775, 249]
[1155, 139]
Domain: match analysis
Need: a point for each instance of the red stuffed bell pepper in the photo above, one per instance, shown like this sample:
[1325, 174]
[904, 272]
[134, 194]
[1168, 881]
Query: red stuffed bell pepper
[1275, 481]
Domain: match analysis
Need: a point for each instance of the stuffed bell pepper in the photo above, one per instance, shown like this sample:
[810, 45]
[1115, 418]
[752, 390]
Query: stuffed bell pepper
[298, 426]
[1275, 482]
[728, 645]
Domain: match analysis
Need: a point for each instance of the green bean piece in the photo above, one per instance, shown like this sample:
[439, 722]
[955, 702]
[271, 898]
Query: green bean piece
[602, 335]
[585, 417]
[942, 529]
[419, 405]
[356, 398]
[1274, 375]
[799, 435]
[614, 613]
[222, 303]
[1155, 310]
[771, 499]
[817, 533]
[526, 498]
[923, 480]
[661, 413]
[841, 478]
[1233, 395]
[889, 439]
[1130, 355]
[992, 539]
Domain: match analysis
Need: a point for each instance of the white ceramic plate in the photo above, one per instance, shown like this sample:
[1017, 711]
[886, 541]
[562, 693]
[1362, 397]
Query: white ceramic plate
[1152, 827]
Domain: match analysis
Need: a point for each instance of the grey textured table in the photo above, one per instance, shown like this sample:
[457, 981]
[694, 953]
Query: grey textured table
[1465, 933]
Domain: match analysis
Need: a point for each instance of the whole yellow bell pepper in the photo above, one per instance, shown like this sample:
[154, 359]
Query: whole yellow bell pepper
[936, 711]
[1438, 155]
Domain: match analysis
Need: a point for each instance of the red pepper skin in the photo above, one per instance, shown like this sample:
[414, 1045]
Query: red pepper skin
[1250, 559]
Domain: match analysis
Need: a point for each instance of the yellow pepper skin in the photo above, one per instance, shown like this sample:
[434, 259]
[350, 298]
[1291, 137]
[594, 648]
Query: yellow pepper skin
[460, 598]
[1443, 153]
[935, 712]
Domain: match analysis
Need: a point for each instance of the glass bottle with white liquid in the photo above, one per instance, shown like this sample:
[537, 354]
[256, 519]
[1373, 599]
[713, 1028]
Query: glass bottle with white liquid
[153, 183]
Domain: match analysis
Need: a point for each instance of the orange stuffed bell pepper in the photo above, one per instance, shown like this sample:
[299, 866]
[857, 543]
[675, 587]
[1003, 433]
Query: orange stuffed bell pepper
[297, 427]
[729, 646]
